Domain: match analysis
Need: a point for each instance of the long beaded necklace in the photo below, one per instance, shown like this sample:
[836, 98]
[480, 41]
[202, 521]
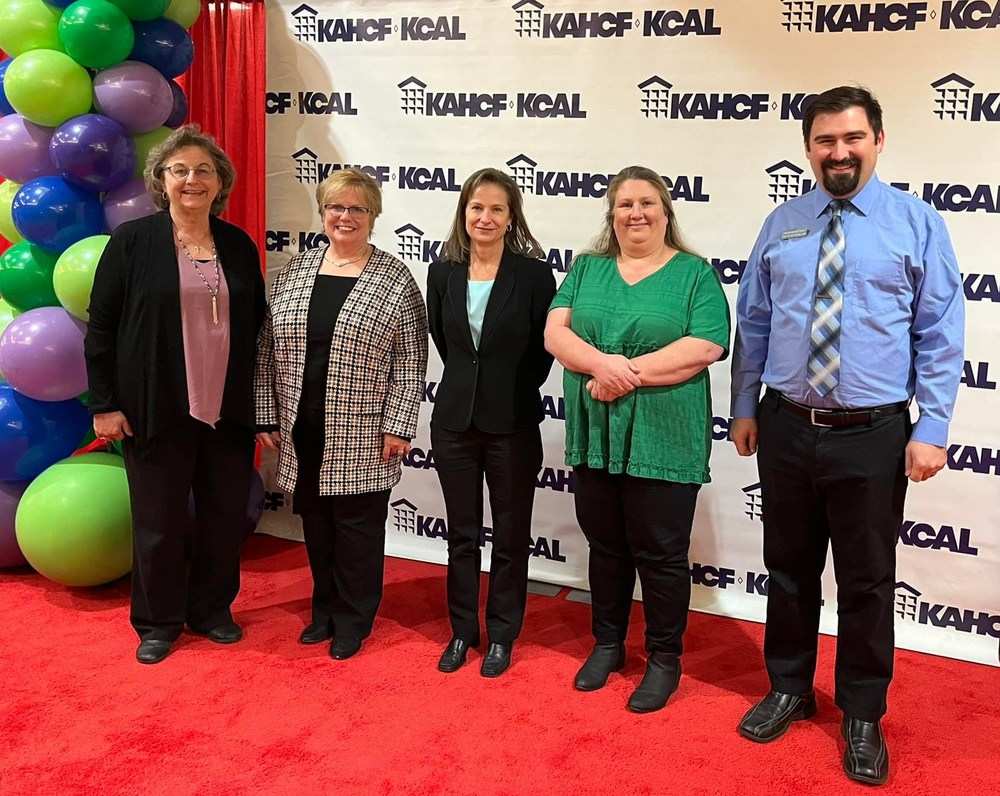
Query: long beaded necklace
[213, 292]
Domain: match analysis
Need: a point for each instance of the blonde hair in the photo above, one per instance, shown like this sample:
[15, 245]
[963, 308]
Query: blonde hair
[344, 179]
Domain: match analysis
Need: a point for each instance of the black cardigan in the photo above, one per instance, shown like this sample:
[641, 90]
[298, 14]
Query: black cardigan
[135, 345]
[494, 388]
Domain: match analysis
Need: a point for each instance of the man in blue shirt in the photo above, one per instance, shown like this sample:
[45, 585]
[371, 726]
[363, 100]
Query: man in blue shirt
[849, 307]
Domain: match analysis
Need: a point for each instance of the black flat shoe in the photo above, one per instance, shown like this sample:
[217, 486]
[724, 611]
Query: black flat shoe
[497, 659]
[152, 650]
[602, 661]
[454, 655]
[316, 633]
[663, 673]
[866, 758]
[226, 633]
[770, 718]
[343, 648]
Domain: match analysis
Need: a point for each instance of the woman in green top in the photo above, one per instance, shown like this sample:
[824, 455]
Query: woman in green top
[635, 324]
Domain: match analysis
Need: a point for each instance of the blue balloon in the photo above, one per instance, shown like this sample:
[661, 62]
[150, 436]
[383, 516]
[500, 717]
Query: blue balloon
[54, 214]
[94, 152]
[164, 45]
[36, 434]
[5, 106]
[180, 110]
[60, 3]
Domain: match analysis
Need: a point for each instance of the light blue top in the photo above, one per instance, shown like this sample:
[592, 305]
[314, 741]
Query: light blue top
[903, 321]
[475, 303]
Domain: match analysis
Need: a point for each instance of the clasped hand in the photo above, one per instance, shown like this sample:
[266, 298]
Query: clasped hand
[614, 376]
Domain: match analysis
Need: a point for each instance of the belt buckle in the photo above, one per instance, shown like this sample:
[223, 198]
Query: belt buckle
[812, 418]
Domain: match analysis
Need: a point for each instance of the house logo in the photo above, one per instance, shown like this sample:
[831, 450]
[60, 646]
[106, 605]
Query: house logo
[304, 23]
[411, 96]
[908, 606]
[404, 516]
[655, 97]
[797, 15]
[528, 19]
[306, 166]
[905, 602]
[753, 501]
[811, 17]
[952, 94]
[784, 181]
[522, 169]
[409, 242]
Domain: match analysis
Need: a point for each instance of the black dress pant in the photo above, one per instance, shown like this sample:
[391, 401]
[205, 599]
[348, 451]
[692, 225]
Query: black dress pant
[639, 524]
[183, 573]
[845, 487]
[510, 465]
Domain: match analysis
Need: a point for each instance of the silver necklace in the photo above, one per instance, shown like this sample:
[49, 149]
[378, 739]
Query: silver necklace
[361, 256]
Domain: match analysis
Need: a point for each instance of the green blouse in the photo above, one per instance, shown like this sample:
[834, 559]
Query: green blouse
[653, 432]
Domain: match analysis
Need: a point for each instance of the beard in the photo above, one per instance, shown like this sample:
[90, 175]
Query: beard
[841, 184]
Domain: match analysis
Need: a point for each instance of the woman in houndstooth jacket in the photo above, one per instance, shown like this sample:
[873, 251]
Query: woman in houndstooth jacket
[340, 375]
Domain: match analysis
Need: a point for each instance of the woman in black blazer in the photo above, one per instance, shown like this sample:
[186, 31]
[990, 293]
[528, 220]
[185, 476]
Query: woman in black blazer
[486, 305]
[176, 305]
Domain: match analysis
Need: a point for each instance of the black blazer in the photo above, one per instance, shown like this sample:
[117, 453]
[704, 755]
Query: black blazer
[134, 344]
[495, 388]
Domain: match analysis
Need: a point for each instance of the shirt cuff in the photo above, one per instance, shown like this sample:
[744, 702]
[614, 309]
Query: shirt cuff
[933, 432]
[745, 406]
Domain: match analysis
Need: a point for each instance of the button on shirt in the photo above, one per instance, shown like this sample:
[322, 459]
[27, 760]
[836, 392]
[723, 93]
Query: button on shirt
[903, 321]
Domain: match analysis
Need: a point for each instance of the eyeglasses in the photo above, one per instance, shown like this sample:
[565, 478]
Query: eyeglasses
[180, 171]
[352, 210]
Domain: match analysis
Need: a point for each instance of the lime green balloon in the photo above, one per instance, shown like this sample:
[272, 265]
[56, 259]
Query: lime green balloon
[74, 521]
[7, 228]
[48, 87]
[26, 277]
[73, 277]
[142, 9]
[96, 34]
[184, 12]
[28, 25]
[144, 142]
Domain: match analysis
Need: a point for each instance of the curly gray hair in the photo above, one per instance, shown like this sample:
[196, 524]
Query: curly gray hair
[185, 136]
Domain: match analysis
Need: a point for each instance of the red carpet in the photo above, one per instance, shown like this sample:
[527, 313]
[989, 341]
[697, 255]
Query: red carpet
[79, 715]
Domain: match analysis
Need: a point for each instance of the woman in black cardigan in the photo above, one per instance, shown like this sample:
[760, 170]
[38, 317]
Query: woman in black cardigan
[177, 301]
[486, 305]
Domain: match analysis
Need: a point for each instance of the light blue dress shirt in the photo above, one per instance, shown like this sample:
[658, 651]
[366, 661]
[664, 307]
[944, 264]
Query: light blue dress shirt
[476, 298]
[903, 321]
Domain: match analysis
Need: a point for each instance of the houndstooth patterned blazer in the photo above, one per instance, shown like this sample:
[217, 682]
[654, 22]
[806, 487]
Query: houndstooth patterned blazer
[378, 359]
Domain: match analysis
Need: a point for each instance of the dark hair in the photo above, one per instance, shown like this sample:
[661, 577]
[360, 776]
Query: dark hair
[518, 237]
[835, 100]
[185, 136]
[606, 244]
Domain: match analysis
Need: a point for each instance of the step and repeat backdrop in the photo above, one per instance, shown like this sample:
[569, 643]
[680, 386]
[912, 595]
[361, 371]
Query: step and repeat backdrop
[564, 93]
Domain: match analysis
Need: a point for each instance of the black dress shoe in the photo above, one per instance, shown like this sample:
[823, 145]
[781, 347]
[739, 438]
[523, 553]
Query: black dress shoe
[152, 650]
[866, 757]
[497, 658]
[343, 648]
[602, 661]
[226, 633]
[316, 633]
[663, 673]
[773, 715]
[454, 655]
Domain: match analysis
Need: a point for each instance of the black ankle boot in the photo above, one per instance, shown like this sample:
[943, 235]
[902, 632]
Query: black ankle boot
[663, 672]
[602, 661]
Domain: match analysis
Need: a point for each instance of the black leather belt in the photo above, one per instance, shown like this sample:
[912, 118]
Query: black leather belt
[839, 418]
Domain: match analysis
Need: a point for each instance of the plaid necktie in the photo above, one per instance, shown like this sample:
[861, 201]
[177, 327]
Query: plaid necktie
[824, 349]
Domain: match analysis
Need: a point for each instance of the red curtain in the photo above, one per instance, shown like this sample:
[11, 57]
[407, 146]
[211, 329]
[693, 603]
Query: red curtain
[225, 89]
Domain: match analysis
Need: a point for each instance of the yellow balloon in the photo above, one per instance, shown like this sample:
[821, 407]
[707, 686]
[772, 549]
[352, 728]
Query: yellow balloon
[7, 228]
[28, 25]
[183, 12]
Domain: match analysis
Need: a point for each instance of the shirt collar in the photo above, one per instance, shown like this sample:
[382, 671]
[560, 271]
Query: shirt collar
[863, 201]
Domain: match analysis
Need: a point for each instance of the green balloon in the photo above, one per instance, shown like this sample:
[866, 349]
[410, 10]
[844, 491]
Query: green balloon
[144, 142]
[74, 521]
[28, 25]
[96, 34]
[184, 12]
[26, 277]
[48, 87]
[73, 276]
[7, 228]
[142, 9]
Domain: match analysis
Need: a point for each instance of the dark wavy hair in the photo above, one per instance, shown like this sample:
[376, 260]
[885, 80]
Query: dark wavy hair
[835, 100]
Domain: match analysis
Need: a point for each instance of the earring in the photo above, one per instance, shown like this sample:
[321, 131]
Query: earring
[164, 195]
[510, 227]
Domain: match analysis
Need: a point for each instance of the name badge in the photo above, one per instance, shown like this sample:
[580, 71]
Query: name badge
[792, 234]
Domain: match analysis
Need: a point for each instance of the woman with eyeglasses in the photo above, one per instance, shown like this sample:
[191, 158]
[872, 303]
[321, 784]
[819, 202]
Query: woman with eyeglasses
[340, 375]
[177, 302]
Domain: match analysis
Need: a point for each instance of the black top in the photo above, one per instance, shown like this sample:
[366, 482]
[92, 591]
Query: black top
[328, 297]
[494, 388]
[135, 345]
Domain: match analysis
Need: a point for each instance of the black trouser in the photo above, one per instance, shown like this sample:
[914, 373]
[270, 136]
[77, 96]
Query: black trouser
[639, 524]
[510, 464]
[216, 466]
[845, 486]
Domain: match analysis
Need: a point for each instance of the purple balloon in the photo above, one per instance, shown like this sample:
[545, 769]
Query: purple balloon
[126, 203]
[24, 149]
[10, 496]
[135, 95]
[41, 354]
[180, 109]
[93, 151]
